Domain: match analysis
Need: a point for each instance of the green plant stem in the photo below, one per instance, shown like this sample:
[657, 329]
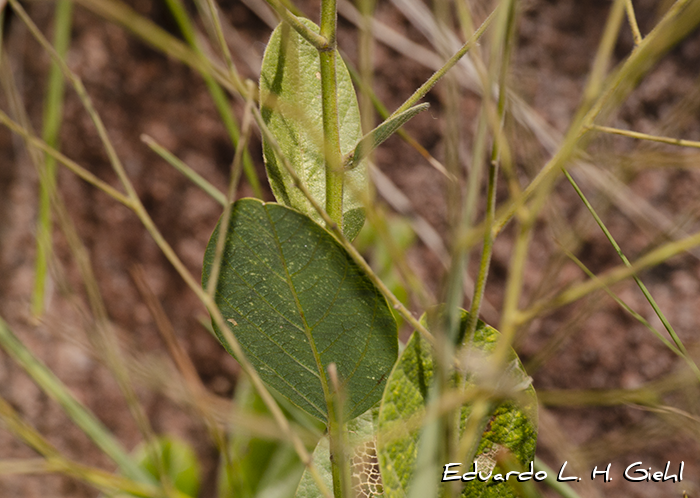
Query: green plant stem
[507, 28]
[334, 208]
[331, 138]
[319, 42]
[331, 129]
[53, 108]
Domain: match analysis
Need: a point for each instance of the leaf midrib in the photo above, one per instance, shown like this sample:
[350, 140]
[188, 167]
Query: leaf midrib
[300, 310]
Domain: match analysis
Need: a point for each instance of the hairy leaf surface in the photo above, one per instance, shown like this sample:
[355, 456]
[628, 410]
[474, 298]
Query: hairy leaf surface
[296, 302]
[290, 103]
[510, 426]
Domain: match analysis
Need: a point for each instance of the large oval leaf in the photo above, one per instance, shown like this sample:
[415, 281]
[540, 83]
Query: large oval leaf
[290, 103]
[297, 302]
[510, 426]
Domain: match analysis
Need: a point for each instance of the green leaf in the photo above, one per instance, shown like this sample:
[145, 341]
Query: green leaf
[290, 104]
[377, 136]
[258, 467]
[510, 426]
[177, 459]
[366, 478]
[296, 302]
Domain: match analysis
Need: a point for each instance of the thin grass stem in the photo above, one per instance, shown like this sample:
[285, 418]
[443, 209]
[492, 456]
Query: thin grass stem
[78, 170]
[430, 82]
[625, 306]
[221, 102]
[632, 19]
[82, 417]
[667, 325]
[645, 136]
[183, 168]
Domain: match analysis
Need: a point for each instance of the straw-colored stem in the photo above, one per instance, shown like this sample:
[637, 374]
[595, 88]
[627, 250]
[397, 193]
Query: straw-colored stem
[430, 82]
[645, 136]
[169, 253]
[218, 96]
[632, 19]
[501, 53]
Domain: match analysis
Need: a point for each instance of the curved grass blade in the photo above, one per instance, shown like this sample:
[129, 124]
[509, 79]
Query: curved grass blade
[290, 104]
[297, 302]
[510, 426]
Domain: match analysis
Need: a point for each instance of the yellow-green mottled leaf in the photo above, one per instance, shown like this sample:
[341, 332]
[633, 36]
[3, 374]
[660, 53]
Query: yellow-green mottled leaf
[297, 302]
[290, 104]
[510, 425]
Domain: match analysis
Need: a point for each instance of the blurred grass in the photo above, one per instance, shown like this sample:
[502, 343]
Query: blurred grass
[387, 244]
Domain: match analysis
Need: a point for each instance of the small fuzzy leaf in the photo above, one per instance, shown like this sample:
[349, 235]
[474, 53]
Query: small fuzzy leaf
[511, 426]
[297, 302]
[377, 136]
[290, 104]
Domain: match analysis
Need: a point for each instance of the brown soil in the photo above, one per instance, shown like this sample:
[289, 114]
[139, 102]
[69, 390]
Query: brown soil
[136, 90]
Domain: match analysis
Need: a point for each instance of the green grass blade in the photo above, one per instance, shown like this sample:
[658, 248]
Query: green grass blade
[667, 325]
[53, 109]
[217, 94]
[80, 415]
[183, 168]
